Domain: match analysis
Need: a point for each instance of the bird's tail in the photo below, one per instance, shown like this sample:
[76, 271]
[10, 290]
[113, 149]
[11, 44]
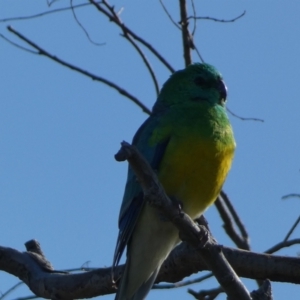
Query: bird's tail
[141, 292]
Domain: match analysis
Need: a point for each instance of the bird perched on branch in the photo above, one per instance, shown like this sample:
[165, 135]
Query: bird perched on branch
[188, 141]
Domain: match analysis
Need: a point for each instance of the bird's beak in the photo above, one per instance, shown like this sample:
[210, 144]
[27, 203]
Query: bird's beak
[222, 88]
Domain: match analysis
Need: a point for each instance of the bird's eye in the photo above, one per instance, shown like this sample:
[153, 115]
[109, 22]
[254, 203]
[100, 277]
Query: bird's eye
[200, 81]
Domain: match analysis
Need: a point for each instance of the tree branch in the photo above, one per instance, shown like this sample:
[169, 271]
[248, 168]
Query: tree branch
[169, 15]
[187, 39]
[44, 13]
[183, 261]
[292, 229]
[133, 43]
[243, 118]
[290, 196]
[219, 20]
[43, 52]
[81, 26]
[134, 35]
[182, 283]
[229, 217]
[282, 245]
[206, 294]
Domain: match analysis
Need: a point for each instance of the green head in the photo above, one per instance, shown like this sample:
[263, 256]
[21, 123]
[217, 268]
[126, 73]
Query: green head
[198, 82]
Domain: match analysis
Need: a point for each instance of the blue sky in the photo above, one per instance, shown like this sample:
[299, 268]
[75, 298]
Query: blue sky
[59, 131]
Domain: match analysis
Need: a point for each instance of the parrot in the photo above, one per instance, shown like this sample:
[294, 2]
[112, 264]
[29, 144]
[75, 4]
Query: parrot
[188, 141]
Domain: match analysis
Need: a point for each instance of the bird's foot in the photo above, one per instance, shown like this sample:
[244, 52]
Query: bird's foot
[178, 204]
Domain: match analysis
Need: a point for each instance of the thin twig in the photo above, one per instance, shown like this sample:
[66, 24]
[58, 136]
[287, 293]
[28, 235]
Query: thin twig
[219, 20]
[82, 27]
[118, 21]
[136, 37]
[292, 229]
[17, 45]
[194, 13]
[187, 39]
[290, 196]
[146, 62]
[199, 55]
[27, 297]
[11, 290]
[242, 118]
[182, 283]
[194, 31]
[43, 13]
[228, 215]
[43, 52]
[169, 15]
[241, 242]
[282, 245]
[235, 216]
[51, 2]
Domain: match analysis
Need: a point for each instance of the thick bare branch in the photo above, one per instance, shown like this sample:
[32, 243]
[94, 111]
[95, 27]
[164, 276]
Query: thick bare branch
[47, 284]
[186, 260]
[183, 261]
[187, 38]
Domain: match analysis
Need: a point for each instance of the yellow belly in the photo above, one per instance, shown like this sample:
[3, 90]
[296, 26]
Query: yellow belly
[194, 171]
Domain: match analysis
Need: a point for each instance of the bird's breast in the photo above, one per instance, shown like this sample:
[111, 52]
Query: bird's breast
[194, 168]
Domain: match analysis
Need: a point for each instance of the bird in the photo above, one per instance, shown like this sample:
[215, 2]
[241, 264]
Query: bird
[188, 141]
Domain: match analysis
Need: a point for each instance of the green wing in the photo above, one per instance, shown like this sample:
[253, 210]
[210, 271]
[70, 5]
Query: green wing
[133, 200]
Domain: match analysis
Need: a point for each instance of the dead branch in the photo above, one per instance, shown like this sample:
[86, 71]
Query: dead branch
[134, 35]
[187, 38]
[43, 13]
[182, 283]
[219, 20]
[231, 221]
[127, 36]
[168, 14]
[282, 245]
[81, 26]
[264, 292]
[243, 118]
[183, 261]
[290, 196]
[41, 51]
[206, 294]
[292, 229]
